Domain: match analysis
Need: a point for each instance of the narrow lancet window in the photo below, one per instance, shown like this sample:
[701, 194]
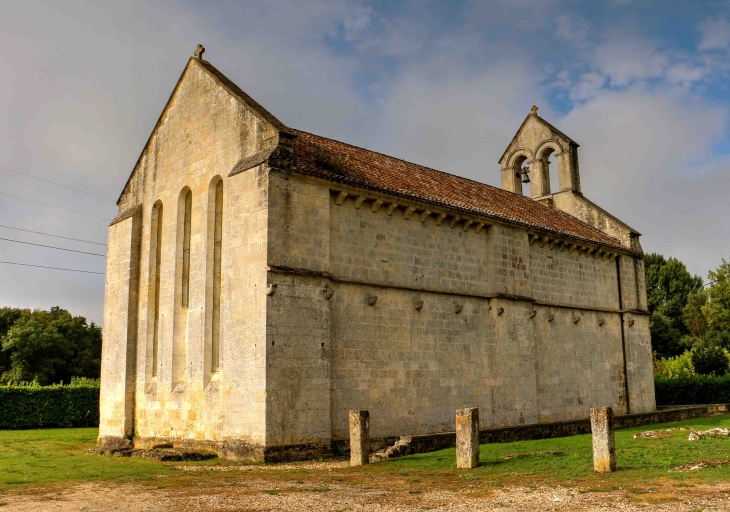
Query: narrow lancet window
[217, 250]
[186, 250]
[156, 249]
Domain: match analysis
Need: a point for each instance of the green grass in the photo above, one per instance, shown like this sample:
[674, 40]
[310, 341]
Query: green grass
[638, 460]
[43, 456]
[37, 458]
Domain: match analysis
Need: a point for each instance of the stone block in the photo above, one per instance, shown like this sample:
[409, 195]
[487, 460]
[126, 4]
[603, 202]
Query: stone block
[359, 438]
[467, 438]
[604, 449]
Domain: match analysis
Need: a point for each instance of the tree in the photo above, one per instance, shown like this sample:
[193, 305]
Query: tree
[717, 309]
[50, 347]
[668, 286]
[710, 361]
[8, 316]
[694, 318]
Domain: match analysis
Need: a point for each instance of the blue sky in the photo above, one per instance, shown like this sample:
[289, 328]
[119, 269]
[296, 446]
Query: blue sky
[640, 85]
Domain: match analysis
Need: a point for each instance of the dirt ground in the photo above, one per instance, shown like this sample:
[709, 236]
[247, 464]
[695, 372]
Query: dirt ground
[262, 489]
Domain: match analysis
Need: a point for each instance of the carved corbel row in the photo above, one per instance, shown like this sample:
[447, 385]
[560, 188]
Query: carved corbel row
[422, 215]
[554, 243]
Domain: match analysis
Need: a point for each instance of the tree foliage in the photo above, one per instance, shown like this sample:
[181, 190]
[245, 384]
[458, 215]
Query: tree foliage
[717, 308]
[668, 286]
[47, 346]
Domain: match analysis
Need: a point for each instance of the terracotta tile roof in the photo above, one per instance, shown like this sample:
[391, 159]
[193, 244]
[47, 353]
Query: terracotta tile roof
[340, 162]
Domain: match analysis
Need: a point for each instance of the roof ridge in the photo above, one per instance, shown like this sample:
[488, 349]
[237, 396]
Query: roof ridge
[512, 201]
[401, 160]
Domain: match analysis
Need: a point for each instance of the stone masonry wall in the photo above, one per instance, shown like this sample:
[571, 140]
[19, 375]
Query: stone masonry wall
[203, 133]
[423, 319]
[120, 317]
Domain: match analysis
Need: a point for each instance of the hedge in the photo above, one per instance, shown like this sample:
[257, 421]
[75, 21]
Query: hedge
[697, 389]
[74, 405]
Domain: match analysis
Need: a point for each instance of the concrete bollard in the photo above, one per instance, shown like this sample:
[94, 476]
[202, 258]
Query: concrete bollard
[467, 438]
[359, 438]
[604, 448]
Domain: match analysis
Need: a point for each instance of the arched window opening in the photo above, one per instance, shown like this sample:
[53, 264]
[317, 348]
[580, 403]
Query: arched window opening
[553, 173]
[188, 205]
[522, 174]
[549, 171]
[182, 287]
[156, 253]
[217, 251]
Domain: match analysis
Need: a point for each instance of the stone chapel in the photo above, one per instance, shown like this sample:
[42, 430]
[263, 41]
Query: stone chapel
[262, 281]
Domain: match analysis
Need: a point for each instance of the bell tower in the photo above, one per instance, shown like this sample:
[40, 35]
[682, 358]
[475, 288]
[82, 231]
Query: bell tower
[526, 160]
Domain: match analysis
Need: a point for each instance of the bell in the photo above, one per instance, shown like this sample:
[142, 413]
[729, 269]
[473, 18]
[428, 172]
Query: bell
[525, 176]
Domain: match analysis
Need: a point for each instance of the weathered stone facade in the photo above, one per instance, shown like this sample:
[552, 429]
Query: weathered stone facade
[326, 290]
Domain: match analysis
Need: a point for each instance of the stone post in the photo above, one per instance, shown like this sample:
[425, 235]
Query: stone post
[467, 438]
[359, 438]
[604, 449]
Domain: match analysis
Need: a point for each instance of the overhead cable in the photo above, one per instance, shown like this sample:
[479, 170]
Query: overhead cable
[53, 206]
[50, 234]
[57, 184]
[52, 268]
[52, 247]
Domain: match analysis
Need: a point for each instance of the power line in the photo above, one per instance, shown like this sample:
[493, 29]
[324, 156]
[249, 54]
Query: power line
[52, 247]
[58, 184]
[52, 268]
[49, 234]
[53, 206]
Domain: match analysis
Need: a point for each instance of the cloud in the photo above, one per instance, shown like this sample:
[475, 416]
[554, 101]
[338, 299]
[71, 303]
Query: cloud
[458, 122]
[646, 156]
[571, 27]
[587, 87]
[626, 59]
[685, 74]
[715, 34]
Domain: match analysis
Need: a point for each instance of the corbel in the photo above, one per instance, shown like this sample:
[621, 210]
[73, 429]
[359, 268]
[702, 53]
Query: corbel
[468, 223]
[359, 201]
[425, 215]
[597, 254]
[440, 218]
[371, 300]
[500, 311]
[601, 321]
[573, 248]
[455, 220]
[479, 227]
[391, 207]
[271, 289]
[340, 198]
[457, 308]
[631, 323]
[533, 314]
[550, 317]
[576, 319]
[531, 237]
[612, 256]
[417, 304]
[376, 205]
[543, 240]
[409, 211]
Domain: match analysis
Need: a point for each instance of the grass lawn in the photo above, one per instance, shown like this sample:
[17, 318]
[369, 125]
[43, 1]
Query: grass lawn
[35, 458]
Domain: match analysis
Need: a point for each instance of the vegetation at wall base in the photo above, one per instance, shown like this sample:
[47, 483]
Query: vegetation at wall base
[28, 406]
[695, 389]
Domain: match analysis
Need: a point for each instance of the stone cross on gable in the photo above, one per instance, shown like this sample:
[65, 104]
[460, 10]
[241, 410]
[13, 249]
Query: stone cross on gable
[534, 110]
[199, 52]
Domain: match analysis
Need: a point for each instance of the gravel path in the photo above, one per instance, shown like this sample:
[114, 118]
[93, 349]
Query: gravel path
[251, 493]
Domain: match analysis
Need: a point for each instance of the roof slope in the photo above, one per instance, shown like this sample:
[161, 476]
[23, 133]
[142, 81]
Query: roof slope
[336, 161]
